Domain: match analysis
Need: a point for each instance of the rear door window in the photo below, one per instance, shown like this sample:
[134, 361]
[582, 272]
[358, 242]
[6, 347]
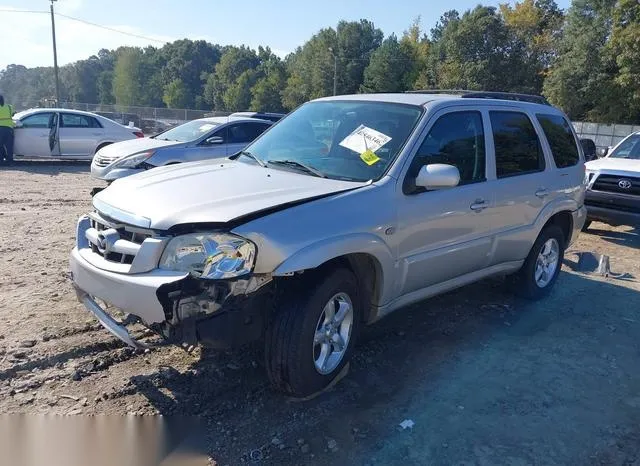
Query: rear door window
[72, 120]
[239, 134]
[518, 149]
[561, 140]
[256, 129]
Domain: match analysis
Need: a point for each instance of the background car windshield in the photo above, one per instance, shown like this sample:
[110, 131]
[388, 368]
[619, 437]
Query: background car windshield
[628, 149]
[188, 132]
[352, 140]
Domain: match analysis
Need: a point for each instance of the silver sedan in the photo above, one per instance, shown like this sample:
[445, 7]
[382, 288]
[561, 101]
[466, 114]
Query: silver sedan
[202, 139]
[66, 134]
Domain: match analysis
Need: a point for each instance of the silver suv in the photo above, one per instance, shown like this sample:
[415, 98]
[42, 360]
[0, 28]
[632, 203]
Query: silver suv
[347, 209]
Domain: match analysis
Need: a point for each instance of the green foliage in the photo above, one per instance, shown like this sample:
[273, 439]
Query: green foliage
[580, 80]
[346, 49]
[388, 68]
[176, 94]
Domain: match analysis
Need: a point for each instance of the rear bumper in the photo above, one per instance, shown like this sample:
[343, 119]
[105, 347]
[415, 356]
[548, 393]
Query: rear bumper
[579, 219]
[613, 209]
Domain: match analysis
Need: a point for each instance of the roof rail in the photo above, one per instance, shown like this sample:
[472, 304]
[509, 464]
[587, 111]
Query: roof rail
[532, 98]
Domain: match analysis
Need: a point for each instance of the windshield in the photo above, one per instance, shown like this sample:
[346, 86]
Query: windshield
[188, 132]
[628, 149]
[349, 140]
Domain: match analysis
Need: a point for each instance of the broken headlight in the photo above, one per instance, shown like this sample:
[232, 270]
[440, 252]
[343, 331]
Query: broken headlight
[209, 255]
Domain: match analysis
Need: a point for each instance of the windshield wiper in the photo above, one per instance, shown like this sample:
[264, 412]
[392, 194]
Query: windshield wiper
[254, 157]
[296, 164]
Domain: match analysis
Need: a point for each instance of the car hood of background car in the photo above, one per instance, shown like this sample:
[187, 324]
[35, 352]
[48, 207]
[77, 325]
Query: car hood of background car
[134, 146]
[208, 192]
[617, 164]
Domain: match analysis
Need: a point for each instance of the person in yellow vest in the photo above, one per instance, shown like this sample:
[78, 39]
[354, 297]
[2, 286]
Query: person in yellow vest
[6, 132]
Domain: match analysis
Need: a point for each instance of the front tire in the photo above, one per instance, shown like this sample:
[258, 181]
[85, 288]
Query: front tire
[312, 336]
[540, 271]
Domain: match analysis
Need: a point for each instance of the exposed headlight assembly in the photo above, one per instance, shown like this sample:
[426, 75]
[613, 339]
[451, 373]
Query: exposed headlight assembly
[134, 160]
[209, 255]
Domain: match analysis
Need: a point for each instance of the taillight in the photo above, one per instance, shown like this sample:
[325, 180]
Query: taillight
[138, 134]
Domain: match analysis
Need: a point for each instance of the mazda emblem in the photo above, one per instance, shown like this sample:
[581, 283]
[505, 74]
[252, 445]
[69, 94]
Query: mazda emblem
[625, 184]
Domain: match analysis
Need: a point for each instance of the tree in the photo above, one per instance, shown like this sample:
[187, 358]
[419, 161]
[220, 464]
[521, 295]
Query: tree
[176, 94]
[478, 51]
[623, 49]
[136, 77]
[127, 87]
[387, 71]
[311, 67]
[415, 45]
[187, 60]
[234, 62]
[580, 81]
[536, 24]
[266, 92]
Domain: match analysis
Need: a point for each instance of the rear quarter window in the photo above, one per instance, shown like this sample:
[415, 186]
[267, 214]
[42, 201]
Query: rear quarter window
[561, 140]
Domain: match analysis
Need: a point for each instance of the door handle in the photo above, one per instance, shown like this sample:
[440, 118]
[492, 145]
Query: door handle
[542, 193]
[479, 205]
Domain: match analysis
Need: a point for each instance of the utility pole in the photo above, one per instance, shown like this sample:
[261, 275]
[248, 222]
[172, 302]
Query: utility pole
[335, 71]
[55, 55]
[335, 75]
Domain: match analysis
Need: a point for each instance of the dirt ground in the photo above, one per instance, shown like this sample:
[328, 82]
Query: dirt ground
[486, 378]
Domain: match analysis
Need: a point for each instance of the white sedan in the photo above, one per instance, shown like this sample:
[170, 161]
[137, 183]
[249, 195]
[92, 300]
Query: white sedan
[66, 134]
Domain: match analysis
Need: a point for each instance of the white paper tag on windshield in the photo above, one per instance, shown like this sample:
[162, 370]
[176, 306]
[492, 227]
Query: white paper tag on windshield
[364, 138]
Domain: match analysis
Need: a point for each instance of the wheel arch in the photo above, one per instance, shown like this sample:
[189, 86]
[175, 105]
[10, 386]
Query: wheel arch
[367, 256]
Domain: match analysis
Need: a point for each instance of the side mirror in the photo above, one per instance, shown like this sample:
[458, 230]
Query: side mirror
[17, 123]
[602, 152]
[437, 176]
[213, 140]
[589, 149]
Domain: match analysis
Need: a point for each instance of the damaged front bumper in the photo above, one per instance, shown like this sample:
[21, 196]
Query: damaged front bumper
[181, 308]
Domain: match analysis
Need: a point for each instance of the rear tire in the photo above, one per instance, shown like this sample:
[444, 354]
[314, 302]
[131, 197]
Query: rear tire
[303, 342]
[540, 271]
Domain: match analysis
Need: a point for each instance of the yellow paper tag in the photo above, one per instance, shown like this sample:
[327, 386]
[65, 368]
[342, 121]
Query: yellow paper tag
[369, 157]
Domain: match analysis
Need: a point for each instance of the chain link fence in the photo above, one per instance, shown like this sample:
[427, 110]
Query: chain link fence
[150, 119]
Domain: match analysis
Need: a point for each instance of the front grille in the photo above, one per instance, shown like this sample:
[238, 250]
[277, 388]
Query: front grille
[613, 206]
[124, 233]
[103, 161]
[615, 183]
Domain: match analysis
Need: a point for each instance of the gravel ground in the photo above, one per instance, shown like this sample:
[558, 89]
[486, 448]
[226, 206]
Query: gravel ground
[485, 378]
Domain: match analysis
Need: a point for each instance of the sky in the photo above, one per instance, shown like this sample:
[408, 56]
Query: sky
[282, 25]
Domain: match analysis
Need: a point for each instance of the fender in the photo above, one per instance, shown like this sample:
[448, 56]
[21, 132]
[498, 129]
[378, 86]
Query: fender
[324, 250]
[566, 204]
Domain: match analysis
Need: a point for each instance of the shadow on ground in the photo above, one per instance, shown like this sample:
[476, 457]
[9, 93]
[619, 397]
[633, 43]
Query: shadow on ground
[49, 167]
[535, 377]
[629, 238]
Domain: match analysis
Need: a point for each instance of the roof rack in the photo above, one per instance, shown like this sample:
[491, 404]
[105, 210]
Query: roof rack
[465, 94]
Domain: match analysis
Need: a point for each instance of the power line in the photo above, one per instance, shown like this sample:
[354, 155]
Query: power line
[8, 10]
[112, 29]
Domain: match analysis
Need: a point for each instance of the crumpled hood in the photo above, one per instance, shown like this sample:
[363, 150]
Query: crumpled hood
[133, 146]
[609, 163]
[212, 191]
